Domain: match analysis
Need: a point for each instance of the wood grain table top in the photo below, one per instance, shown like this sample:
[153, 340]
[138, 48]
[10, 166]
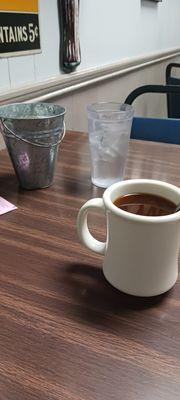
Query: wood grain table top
[65, 333]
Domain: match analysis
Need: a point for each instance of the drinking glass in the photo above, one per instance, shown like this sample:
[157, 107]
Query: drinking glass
[109, 127]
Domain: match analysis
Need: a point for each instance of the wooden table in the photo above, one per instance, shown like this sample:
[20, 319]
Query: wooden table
[65, 333]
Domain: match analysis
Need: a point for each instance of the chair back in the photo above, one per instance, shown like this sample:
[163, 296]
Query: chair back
[174, 89]
[165, 130]
[173, 99]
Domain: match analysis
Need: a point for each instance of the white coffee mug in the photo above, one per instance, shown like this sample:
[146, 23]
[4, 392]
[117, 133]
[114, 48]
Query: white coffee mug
[141, 252]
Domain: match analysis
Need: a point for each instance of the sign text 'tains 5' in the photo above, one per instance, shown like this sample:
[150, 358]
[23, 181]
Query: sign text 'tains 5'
[19, 27]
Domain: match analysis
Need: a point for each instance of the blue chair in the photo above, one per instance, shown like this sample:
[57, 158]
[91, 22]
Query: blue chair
[165, 130]
[173, 99]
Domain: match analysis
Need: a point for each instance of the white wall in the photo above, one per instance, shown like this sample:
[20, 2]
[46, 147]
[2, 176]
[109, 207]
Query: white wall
[116, 29]
[110, 30]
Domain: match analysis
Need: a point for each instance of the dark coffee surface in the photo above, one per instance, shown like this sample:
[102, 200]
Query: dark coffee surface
[145, 204]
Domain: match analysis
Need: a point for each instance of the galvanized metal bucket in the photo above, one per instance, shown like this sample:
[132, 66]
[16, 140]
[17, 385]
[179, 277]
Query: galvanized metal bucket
[32, 133]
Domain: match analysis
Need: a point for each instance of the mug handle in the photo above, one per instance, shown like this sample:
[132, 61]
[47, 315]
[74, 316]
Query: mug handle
[82, 227]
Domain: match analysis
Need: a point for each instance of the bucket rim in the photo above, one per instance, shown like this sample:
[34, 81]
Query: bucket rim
[62, 113]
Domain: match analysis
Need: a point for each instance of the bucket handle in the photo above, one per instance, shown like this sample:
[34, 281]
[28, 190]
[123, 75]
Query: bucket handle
[33, 143]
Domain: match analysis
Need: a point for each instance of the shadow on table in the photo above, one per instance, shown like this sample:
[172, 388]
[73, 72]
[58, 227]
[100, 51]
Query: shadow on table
[98, 298]
[8, 180]
[82, 186]
[9, 185]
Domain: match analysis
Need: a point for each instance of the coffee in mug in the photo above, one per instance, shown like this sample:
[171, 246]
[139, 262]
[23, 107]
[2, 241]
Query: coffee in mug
[145, 204]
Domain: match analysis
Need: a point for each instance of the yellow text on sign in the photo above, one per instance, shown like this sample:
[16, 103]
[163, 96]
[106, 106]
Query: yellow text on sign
[30, 6]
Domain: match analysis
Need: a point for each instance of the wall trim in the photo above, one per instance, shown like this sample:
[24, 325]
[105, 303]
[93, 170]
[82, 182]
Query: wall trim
[66, 83]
